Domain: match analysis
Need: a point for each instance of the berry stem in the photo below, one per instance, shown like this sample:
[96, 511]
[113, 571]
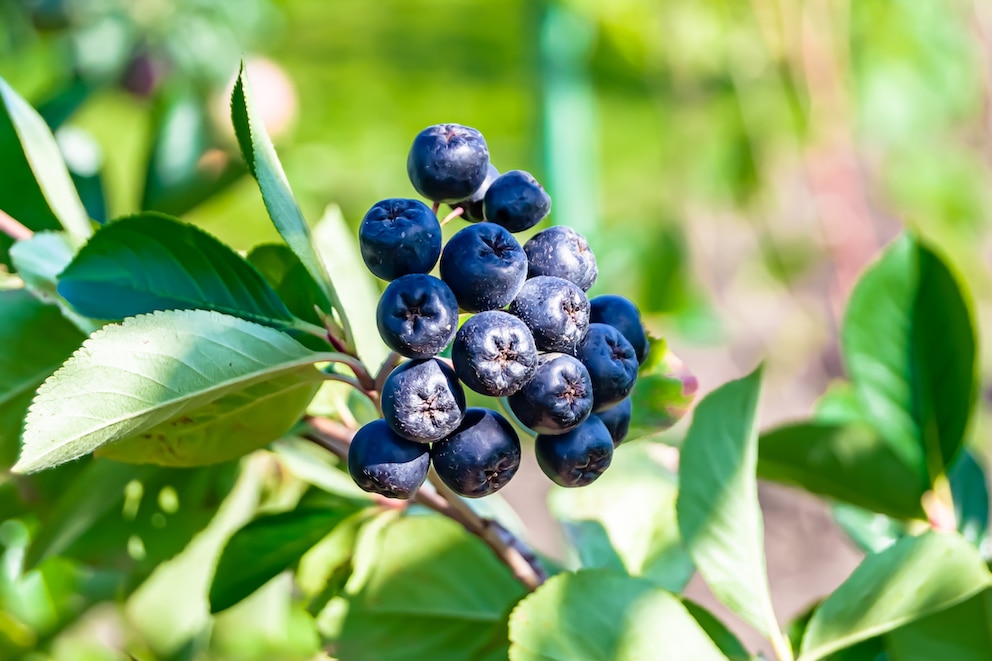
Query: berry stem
[435, 207]
[457, 211]
[13, 228]
[336, 438]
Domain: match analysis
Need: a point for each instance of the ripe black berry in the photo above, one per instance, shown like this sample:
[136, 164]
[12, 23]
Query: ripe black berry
[617, 420]
[578, 457]
[494, 353]
[564, 253]
[381, 462]
[417, 315]
[422, 400]
[557, 398]
[623, 315]
[555, 310]
[399, 236]
[484, 266]
[448, 162]
[480, 457]
[516, 201]
[472, 208]
[611, 362]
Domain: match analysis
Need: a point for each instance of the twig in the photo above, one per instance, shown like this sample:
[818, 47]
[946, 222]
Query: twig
[335, 437]
[13, 228]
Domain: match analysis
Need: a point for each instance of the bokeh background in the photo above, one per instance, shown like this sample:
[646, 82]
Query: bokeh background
[735, 165]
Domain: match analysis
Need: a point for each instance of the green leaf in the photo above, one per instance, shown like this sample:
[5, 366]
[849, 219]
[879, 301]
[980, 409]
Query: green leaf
[36, 339]
[971, 496]
[663, 394]
[267, 546]
[961, 632]
[728, 643]
[914, 578]
[423, 588]
[131, 518]
[39, 261]
[185, 167]
[849, 463]
[717, 507]
[626, 520]
[294, 285]
[36, 185]
[909, 345]
[602, 615]
[872, 532]
[337, 245]
[263, 163]
[156, 372]
[152, 262]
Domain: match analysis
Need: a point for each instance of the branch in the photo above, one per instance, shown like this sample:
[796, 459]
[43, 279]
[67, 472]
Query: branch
[336, 438]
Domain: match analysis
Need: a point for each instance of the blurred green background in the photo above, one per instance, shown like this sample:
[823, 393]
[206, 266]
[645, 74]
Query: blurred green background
[734, 164]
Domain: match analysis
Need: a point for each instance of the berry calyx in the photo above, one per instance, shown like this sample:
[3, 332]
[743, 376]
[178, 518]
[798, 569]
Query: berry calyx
[494, 353]
[422, 400]
[578, 457]
[480, 457]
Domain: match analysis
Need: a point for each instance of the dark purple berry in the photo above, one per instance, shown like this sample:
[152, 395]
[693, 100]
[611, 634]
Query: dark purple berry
[399, 236]
[555, 310]
[480, 457]
[494, 353]
[417, 315]
[381, 462]
[422, 400]
[564, 253]
[578, 457]
[516, 201]
[448, 162]
[611, 362]
[617, 420]
[473, 207]
[623, 315]
[557, 398]
[484, 266]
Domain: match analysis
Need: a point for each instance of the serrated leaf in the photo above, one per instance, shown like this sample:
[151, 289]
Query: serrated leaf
[423, 588]
[626, 520]
[914, 578]
[155, 370]
[39, 261]
[849, 463]
[36, 339]
[718, 512]
[267, 546]
[909, 345]
[663, 394]
[603, 615]
[152, 262]
[263, 163]
[36, 186]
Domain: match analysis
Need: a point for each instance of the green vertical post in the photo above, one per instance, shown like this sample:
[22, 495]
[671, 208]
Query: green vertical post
[569, 119]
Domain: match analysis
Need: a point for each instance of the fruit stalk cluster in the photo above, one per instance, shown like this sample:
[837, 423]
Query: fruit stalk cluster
[563, 364]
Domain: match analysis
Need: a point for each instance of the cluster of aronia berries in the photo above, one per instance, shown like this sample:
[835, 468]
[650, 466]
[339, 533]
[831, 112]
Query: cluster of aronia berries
[565, 364]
